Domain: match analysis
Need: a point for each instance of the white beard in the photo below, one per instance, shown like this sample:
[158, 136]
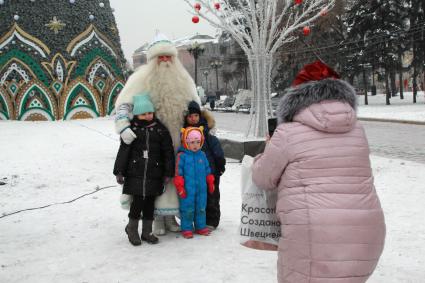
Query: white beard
[171, 89]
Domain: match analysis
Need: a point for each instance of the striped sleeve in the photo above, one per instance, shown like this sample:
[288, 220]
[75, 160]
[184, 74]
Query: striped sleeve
[123, 117]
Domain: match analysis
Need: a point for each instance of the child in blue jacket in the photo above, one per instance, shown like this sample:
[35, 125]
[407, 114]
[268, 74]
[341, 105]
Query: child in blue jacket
[193, 177]
[195, 117]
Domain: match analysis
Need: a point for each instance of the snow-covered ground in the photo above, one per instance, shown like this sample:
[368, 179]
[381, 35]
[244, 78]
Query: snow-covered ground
[400, 109]
[84, 241]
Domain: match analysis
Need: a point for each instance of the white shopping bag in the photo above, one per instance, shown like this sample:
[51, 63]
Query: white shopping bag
[259, 226]
[125, 201]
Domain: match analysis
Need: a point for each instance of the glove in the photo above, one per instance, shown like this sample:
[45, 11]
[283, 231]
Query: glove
[128, 136]
[166, 180]
[210, 183]
[179, 183]
[120, 179]
[220, 165]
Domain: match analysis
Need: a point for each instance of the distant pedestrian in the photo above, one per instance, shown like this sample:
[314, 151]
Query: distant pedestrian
[211, 99]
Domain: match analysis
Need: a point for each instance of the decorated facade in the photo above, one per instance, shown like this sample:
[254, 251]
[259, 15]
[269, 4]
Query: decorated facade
[59, 60]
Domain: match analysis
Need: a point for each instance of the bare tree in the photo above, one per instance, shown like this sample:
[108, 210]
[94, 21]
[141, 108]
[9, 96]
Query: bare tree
[261, 27]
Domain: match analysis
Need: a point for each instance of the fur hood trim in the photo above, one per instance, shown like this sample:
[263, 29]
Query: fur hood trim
[161, 48]
[209, 118]
[304, 95]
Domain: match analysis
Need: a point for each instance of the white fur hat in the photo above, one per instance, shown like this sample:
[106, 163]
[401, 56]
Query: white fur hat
[161, 45]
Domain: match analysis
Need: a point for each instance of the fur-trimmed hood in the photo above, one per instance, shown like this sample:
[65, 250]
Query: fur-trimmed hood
[206, 119]
[209, 118]
[161, 48]
[307, 94]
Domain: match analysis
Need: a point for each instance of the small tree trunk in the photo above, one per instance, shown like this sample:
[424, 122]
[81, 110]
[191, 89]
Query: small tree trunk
[415, 69]
[373, 81]
[393, 83]
[400, 74]
[365, 87]
[387, 88]
[415, 83]
[423, 84]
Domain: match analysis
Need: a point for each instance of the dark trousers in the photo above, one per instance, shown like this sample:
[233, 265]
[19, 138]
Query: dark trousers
[139, 204]
[213, 204]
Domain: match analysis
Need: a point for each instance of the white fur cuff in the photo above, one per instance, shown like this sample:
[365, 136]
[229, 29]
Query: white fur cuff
[162, 48]
[121, 125]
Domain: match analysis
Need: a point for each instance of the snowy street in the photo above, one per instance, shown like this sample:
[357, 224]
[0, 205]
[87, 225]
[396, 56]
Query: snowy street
[84, 241]
[393, 140]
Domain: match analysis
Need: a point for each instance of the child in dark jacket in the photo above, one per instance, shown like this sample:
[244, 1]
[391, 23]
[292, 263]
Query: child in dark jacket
[143, 167]
[215, 156]
[193, 176]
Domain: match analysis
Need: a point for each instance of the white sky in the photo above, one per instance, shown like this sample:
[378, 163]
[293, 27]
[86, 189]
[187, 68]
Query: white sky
[139, 19]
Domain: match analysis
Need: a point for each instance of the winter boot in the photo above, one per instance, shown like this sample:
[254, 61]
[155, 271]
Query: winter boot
[171, 224]
[187, 234]
[211, 228]
[147, 234]
[159, 226]
[132, 232]
[204, 232]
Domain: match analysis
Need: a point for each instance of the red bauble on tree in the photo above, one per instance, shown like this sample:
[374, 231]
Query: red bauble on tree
[217, 6]
[195, 19]
[197, 7]
[306, 30]
[298, 2]
[324, 12]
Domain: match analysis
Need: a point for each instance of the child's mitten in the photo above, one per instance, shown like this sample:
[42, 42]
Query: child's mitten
[220, 165]
[166, 180]
[179, 183]
[120, 179]
[210, 183]
[128, 136]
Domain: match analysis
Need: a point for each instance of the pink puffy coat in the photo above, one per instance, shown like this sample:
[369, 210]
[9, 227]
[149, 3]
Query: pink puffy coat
[333, 227]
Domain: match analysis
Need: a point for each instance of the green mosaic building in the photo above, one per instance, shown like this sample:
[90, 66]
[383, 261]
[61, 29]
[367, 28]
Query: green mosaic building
[59, 59]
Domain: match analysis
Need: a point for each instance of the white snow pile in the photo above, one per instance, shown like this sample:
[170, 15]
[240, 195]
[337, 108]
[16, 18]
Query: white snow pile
[400, 109]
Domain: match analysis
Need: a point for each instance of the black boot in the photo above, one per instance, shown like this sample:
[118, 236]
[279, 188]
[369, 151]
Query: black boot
[147, 234]
[132, 232]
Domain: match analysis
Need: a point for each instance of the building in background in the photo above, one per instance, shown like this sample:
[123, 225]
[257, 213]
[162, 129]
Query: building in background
[59, 59]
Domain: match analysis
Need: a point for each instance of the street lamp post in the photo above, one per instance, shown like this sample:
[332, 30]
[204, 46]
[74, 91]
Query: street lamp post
[206, 73]
[215, 65]
[365, 86]
[196, 50]
[365, 67]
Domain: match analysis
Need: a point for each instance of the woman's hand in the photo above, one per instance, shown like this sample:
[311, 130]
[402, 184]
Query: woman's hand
[268, 137]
